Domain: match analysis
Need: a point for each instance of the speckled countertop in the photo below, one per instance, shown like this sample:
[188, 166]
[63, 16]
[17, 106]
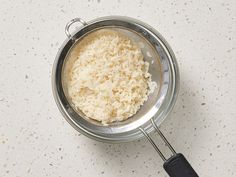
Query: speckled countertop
[36, 141]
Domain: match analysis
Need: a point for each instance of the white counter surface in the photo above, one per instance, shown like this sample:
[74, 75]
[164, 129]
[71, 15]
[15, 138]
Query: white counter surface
[36, 141]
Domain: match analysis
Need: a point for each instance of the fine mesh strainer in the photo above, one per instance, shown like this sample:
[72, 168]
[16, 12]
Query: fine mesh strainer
[164, 71]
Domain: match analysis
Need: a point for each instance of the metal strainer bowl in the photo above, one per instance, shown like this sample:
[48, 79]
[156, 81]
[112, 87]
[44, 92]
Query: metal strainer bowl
[163, 68]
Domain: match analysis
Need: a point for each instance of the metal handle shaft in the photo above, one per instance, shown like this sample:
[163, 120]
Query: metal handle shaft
[154, 144]
[163, 137]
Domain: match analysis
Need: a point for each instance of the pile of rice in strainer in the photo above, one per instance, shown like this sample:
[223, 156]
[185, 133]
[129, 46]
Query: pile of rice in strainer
[108, 79]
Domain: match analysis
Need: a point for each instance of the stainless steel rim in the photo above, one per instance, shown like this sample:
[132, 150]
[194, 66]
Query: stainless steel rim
[164, 107]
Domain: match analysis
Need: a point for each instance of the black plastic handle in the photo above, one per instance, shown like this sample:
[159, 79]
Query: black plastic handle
[178, 166]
